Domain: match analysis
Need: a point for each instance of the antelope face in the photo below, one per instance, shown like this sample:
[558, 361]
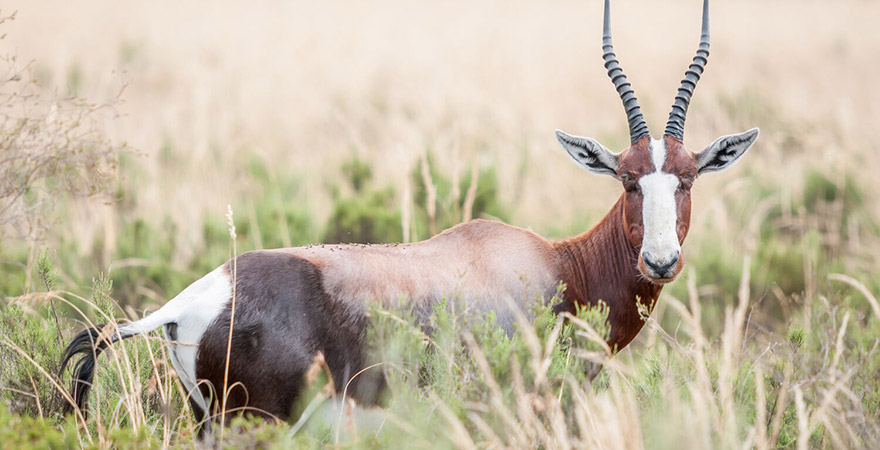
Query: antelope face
[657, 175]
[657, 179]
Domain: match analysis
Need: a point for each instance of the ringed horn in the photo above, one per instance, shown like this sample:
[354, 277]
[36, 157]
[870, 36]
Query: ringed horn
[675, 125]
[637, 126]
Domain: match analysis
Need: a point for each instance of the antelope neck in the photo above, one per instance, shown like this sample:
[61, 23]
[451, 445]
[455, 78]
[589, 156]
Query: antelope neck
[600, 264]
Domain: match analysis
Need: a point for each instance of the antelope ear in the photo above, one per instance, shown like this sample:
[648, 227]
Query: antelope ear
[589, 154]
[725, 151]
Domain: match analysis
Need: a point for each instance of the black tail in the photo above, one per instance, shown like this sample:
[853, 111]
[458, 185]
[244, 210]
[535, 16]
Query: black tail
[90, 343]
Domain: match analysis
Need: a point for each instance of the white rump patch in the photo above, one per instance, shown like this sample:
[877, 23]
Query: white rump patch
[206, 299]
[193, 310]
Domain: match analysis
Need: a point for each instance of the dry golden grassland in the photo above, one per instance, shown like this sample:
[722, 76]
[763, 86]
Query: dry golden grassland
[308, 117]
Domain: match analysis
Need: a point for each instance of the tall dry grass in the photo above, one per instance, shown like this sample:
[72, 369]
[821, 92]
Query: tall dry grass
[688, 390]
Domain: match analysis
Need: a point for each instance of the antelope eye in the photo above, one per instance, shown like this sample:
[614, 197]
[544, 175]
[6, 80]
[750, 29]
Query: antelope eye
[629, 182]
[687, 180]
[627, 178]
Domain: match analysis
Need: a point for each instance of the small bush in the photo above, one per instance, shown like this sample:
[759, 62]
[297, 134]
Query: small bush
[28, 391]
[452, 203]
[368, 215]
[51, 146]
[26, 431]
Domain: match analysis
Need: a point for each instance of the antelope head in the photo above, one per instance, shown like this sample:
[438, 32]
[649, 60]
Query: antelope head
[657, 174]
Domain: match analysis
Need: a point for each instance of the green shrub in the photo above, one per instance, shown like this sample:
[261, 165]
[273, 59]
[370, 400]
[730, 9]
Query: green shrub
[460, 356]
[451, 200]
[368, 215]
[27, 431]
[28, 391]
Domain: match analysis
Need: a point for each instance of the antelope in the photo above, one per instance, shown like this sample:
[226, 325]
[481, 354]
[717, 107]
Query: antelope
[287, 305]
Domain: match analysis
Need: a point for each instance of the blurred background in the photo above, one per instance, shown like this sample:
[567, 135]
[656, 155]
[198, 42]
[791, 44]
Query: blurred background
[325, 121]
[128, 128]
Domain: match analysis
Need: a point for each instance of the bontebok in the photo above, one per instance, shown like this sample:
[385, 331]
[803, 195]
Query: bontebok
[292, 303]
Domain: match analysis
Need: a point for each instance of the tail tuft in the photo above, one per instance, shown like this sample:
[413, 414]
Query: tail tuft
[90, 343]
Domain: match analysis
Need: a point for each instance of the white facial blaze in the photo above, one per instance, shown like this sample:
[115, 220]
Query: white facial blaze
[658, 154]
[659, 211]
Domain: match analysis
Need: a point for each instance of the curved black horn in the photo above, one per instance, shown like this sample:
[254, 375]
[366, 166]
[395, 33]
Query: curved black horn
[675, 125]
[637, 126]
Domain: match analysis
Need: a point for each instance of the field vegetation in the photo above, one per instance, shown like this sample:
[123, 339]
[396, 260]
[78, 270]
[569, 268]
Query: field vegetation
[127, 129]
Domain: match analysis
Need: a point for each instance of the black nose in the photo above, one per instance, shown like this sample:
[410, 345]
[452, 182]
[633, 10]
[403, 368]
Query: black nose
[662, 267]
